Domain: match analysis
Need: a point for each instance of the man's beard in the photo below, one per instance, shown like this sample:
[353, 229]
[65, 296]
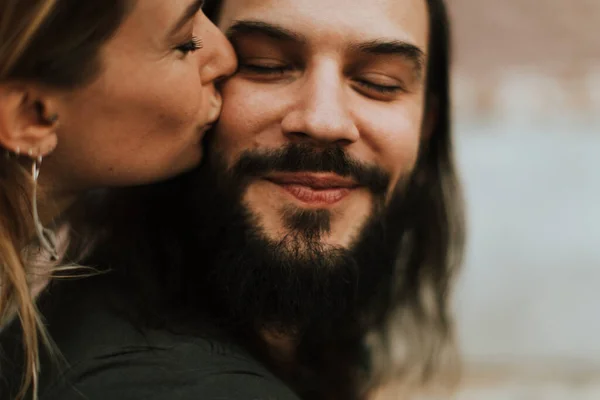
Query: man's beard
[246, 280]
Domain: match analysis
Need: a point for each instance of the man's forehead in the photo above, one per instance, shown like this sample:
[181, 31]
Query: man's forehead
[405, 20]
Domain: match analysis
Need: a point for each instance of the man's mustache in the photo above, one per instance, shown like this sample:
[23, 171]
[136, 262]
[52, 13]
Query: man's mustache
[307, 158]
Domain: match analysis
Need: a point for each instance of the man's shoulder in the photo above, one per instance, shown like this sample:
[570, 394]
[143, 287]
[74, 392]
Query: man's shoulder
[108, 356]
[177, 368]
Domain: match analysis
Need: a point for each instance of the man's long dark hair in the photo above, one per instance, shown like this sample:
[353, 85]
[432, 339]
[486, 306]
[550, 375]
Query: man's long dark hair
[416, 340]
[409, 335]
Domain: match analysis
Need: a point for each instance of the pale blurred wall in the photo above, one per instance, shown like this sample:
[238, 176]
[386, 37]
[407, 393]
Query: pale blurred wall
[548, 49]
[527, 106]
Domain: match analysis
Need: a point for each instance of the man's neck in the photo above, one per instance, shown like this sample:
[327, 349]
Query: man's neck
[281, 350]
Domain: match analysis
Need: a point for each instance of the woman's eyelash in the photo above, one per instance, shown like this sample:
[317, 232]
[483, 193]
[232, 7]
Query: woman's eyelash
[190, 46]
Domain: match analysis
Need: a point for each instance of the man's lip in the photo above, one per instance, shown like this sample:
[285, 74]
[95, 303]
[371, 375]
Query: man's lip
[316, 181]
[314, 189]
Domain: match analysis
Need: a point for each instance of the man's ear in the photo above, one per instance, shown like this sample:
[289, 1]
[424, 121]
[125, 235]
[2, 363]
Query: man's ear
[27, 121]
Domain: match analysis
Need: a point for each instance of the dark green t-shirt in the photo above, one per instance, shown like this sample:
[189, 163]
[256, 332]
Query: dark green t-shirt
[108, 357]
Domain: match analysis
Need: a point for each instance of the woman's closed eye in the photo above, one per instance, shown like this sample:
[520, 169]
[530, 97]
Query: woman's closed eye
[190, 46]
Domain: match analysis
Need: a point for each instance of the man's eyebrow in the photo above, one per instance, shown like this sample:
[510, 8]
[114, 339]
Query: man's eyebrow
[189, 13]
[246, 27]
[394, 47]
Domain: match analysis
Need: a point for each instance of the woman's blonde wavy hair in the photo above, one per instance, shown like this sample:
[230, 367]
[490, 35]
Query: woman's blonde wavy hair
[53, 43]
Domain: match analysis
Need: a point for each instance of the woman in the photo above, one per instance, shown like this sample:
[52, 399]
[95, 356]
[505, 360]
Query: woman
[106, 93]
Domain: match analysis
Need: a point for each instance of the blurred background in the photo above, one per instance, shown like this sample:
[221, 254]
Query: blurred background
[527, 125]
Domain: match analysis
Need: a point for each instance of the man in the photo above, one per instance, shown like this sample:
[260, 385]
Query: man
[327, 212]
[311, 255]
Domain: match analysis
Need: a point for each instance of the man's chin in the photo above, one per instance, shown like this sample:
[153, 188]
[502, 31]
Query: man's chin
[304, 230]
[300, 227]
[298, 243]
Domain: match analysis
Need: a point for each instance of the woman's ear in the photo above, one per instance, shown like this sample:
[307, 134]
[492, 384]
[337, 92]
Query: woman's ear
[27, 123]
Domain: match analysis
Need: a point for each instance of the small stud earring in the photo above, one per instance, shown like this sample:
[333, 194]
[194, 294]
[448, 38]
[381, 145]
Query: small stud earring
[18, 151]
[30, 152]
[53, 118]
[47, 150]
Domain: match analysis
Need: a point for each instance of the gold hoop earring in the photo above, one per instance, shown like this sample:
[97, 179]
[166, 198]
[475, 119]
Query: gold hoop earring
[46, 237]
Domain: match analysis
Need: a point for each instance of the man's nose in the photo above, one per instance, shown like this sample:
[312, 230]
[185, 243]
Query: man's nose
[321, 112]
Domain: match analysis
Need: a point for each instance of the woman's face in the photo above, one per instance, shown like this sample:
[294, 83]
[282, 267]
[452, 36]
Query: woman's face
[143, 117]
